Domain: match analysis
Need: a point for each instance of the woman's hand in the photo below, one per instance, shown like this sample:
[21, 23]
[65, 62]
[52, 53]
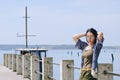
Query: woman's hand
[94, 73]
[76, 37]
[100, 36]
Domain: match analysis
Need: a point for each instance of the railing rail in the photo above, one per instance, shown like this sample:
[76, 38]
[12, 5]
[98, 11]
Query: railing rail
[105, 71]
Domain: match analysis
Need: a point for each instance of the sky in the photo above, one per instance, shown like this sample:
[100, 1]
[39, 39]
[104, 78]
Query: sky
[54, 22]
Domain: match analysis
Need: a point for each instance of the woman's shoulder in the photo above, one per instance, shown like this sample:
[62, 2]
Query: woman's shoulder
[81, 44]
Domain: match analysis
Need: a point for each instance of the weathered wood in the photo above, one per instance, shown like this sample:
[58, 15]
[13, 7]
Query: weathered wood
[66, 73]
[5, 58]
[10, 61]
[26, 65]
[34, 68]
[19, 64]
[102, 68]
[14, 62]
[47, 68]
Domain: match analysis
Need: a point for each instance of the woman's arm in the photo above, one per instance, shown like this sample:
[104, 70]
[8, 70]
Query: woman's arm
[76, 37]
[100, 36]
[79, 44]
[99, 46]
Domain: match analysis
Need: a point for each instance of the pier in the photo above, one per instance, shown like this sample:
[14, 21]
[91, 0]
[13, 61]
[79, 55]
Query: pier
[7, 74]
[28, 67]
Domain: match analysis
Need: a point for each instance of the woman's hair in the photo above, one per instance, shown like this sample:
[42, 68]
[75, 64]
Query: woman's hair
[94, 32]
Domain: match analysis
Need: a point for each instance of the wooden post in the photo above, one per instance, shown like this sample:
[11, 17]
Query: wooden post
[5, 60]
[34, 68]
[26, 65]
[14, 62]
[10, 61]
[102, 68]
[47, 68]
[19, 64]
[66, 73]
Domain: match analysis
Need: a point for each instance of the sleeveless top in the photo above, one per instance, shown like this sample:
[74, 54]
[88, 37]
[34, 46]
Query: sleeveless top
[87, 57]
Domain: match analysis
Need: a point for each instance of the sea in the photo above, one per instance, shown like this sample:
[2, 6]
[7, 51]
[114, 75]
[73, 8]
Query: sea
[107, 55]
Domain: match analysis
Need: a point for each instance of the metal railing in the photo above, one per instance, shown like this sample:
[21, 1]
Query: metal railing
[105, 72]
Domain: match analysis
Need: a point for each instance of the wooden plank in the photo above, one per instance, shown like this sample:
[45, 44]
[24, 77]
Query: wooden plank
[47, 68]
[14, 68]
[34, 68]
[5, 59]
[10, 61]
[26, 65]
[19, 64]
[65, 72]
[102, 68]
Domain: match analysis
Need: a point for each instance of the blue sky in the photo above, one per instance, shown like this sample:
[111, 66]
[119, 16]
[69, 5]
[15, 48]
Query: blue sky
[55, 21]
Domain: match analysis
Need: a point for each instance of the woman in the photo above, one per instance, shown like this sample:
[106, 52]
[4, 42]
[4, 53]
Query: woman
[90, 52]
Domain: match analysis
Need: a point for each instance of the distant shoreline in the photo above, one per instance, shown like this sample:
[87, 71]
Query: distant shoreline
[13, 47]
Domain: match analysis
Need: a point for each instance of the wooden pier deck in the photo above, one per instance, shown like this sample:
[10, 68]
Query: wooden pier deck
[7, 74]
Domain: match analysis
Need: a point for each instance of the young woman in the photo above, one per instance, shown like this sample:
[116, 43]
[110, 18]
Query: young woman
[90, 52]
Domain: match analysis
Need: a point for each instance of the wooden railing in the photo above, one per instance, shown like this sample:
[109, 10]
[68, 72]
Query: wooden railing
[29, 66]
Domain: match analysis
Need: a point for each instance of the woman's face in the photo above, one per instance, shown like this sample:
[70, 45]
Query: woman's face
[90, 37]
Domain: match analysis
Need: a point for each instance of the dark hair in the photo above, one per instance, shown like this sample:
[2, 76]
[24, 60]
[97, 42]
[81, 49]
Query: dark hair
[94, 32]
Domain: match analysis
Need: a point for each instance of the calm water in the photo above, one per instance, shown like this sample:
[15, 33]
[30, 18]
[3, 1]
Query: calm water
[58, 55]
